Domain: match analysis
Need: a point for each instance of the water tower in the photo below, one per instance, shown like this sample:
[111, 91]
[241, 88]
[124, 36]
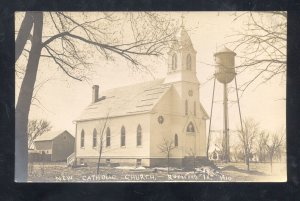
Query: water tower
[224, 73]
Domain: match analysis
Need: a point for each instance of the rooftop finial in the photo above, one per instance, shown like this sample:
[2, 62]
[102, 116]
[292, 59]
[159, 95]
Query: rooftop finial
[182, 18]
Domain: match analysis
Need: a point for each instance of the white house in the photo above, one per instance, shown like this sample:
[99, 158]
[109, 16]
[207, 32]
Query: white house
[139, 117]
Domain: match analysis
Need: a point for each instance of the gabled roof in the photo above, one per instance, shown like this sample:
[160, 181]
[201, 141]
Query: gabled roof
[134, 99]
[50, 135]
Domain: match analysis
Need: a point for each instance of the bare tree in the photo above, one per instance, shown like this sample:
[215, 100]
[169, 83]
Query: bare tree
[261, 148]
[37, 128]
[273, 146]
[68, 36]
[166, 147]
[219, 145]
[261, 46]
[237, 153]
[103, 127]
[247, 136]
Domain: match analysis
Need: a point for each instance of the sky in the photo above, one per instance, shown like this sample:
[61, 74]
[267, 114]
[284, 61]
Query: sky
[63, 99]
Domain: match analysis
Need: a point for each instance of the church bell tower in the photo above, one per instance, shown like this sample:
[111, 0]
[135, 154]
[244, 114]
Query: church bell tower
[182, 59]
[182, 72]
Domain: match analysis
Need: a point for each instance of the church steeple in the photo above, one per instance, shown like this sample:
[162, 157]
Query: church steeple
[182, 58]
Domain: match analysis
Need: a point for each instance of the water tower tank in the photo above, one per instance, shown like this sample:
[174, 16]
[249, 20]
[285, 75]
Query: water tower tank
[224, 64]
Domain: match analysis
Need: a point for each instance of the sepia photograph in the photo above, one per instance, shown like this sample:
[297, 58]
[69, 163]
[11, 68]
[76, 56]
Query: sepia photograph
[150, 96]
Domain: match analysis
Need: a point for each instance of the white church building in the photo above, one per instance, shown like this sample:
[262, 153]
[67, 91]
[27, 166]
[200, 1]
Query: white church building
[136, 120]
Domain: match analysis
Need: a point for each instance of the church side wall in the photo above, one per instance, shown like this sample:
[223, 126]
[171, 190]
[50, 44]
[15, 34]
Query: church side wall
[117, 154]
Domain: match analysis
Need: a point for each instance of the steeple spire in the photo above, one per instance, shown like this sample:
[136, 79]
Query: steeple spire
[182, 37]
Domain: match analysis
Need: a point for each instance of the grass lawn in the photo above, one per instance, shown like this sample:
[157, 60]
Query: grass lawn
[260, 172]
[58, 172]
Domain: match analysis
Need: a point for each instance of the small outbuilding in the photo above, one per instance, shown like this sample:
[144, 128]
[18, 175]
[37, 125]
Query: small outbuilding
[55, 146]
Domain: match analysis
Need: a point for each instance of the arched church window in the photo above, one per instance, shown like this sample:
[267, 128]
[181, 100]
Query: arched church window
[139, 135]
[94, 138]
[174, 61]
[186, 107]
[123, 136]
[82, 138]
[190, 128]
[108, 137]
[176, 140]
[189, 62]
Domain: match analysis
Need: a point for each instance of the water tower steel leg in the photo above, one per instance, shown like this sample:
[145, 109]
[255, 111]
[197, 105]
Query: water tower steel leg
[210, 119]
[226, 137]
[238, 100]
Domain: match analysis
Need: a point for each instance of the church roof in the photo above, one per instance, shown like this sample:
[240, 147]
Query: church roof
[134, 99]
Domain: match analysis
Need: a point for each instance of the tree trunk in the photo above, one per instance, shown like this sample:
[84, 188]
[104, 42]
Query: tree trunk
[99, 159]
[271, 163]
[168, 162]
[24, 100]
[248, 164]
[23, 34]
[194, 162]
[247, 159]
[207, 147]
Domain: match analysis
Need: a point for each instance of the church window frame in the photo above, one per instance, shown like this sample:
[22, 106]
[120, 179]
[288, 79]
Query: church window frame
[108, 137]
[174, 61]
[82, 135]
[176, 140]
[190, 128]
[189, 62]
[94, 138]
[123, 137]
[186, 107]
[139, 136]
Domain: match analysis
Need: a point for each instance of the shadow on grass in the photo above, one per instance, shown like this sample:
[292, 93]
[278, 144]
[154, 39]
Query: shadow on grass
[233, 168]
